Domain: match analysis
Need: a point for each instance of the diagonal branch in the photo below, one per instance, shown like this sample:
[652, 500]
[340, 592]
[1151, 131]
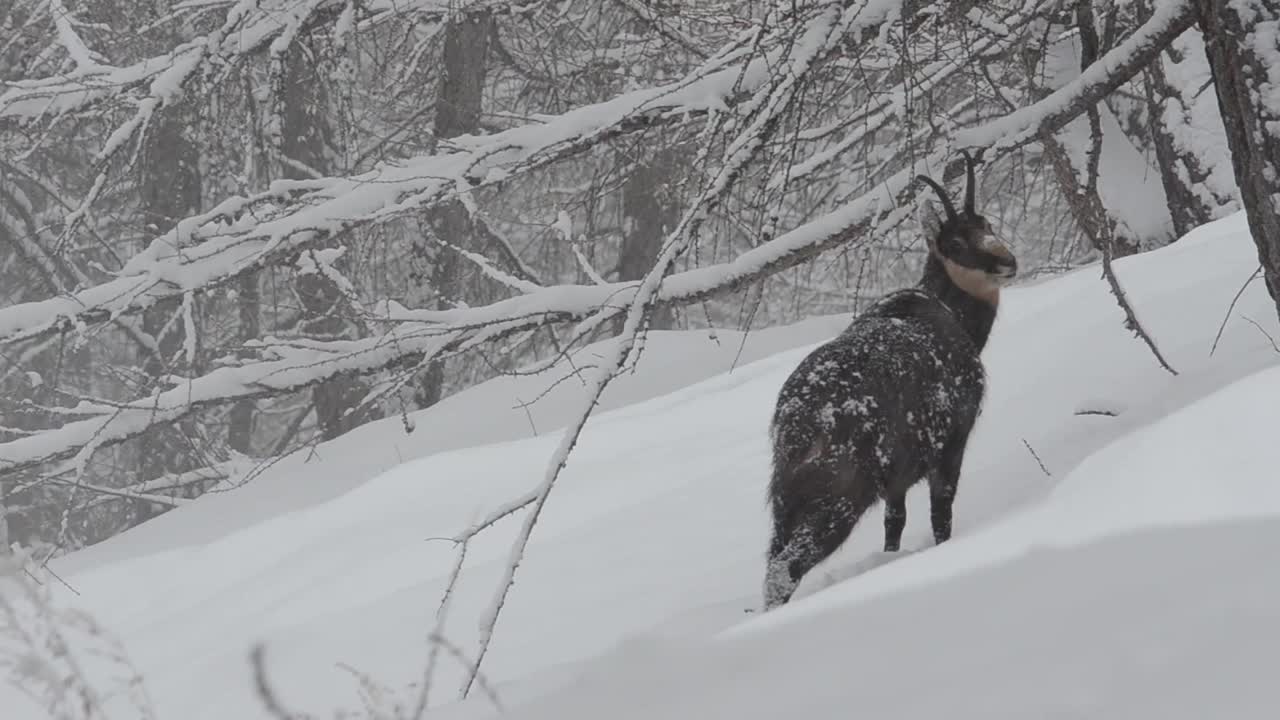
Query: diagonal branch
[438, 332]
[243, 234]
[229, 241]
[1100, 79]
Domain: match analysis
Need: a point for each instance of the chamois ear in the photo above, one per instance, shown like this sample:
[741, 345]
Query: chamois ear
[971, 185]
[930, 222]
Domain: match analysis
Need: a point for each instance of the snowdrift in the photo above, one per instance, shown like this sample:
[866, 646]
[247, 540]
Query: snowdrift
[505, 408]
[1108, 558]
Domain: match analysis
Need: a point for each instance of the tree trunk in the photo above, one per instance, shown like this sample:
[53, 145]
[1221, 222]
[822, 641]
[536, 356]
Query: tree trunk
[463, 62]
[305, 134]
[1239, 48]
[1181, 170]
[649, 212]
[248, 305]
[4, 518]
[1178, 171]
[170, 191]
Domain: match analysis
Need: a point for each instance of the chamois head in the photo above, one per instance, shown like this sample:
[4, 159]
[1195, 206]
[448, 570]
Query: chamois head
[972, 255]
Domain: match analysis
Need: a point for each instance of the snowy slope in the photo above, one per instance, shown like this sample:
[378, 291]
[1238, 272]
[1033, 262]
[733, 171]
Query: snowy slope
[506, 408]
[1138, 538]
[1142, 587]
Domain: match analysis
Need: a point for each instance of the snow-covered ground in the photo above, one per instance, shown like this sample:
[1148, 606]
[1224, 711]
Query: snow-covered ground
[1129, 577]
[506, 408]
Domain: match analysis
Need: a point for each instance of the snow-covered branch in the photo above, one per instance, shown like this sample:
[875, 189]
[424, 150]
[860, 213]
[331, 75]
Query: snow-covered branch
[1169, 20]
[433, 333]
[245, 233]
[250, 28]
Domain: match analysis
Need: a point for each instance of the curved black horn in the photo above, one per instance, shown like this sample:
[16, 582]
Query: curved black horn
[970, 188]
[942, 195]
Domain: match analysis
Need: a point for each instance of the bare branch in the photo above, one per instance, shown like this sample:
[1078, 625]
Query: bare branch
[266, 693]
[432, 332]
[1100, 79]
[243, 234]
[1218, 336]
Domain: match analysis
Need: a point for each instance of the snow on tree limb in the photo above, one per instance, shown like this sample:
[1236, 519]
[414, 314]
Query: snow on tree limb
[430, 332]
[251, 26]
[242, 234]
[1169, 20]
[891, 103]
[71, 41]
[438, 332]
[244, 29]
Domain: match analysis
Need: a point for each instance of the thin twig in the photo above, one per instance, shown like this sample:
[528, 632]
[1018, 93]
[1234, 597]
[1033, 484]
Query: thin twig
[263, 687]
[1262, 330]
[442, 612]
[1039, 462]
[480, 680]
[1231, 307]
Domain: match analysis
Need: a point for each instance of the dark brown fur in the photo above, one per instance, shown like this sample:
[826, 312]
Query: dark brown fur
[887, 403]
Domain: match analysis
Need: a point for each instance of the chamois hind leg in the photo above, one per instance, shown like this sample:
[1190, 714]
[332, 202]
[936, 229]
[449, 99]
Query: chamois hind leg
[895, 519]
[943, 483]
[814, 510]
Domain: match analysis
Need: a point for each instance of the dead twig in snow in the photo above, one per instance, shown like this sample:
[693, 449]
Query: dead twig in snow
[1266, 334]
[481, 681]
[265, 692]
[442, 613]
[1232, 306]
[1039, 462]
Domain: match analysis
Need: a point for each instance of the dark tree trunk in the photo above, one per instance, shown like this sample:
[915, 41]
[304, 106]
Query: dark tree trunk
[4, 518]
[248, 305]
[649, 211]
[463, 63]
[1180, 169]
[1239, 49]
[463, 67]
[305, 141]
[1186, 209]
[170, 191]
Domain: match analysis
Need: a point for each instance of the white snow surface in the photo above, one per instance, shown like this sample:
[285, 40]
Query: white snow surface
[1134, 579]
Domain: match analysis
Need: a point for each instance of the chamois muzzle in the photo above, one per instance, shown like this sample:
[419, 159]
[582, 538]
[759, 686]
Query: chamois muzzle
[1006, 271]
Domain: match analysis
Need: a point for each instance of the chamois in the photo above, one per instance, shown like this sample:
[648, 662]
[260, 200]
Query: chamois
[888, 402]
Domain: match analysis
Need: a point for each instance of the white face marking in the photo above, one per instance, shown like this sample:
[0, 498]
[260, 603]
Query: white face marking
[991, 243]
[975, 282]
